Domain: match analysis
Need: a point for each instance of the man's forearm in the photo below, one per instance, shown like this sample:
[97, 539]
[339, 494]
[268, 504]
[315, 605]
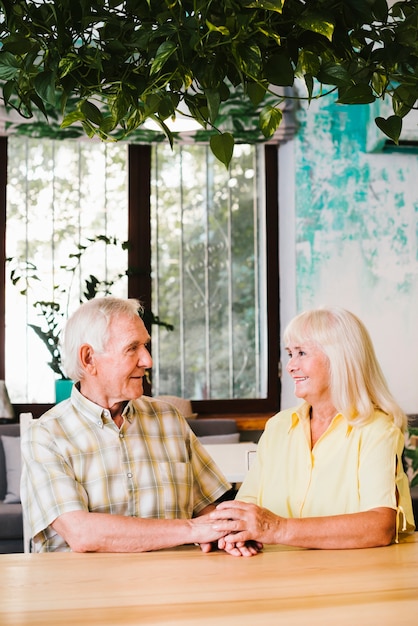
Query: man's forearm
[101, 532]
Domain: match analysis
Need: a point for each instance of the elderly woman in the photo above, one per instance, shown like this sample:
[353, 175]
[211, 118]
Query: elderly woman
[329, 473]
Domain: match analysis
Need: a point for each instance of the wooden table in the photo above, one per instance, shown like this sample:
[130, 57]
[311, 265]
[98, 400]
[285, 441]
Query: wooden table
[281, 586]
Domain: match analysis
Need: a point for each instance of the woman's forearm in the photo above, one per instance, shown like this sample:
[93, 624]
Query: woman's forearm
[245, 522]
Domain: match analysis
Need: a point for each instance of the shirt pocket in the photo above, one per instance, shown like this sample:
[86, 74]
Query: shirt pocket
[174, 484]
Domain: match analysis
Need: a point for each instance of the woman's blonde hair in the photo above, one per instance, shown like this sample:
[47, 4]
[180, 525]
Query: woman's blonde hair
[358, 385]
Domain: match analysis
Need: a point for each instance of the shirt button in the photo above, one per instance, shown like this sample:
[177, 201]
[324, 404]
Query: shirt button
[129, 475]
[121, 435]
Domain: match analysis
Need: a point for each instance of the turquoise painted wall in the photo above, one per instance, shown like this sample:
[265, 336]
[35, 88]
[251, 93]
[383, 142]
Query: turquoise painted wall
[356, 232]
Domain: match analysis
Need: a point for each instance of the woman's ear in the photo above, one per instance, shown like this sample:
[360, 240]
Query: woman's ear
[87, 358]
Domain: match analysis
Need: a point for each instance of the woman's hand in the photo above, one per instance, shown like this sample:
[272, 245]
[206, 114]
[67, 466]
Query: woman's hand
[242, 522]
[240, 548]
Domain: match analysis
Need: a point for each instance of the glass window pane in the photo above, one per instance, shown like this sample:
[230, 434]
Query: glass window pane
[208, 252]
[60, 195]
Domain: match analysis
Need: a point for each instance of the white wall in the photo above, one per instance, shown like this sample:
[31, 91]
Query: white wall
[287, 257]
[349, 236]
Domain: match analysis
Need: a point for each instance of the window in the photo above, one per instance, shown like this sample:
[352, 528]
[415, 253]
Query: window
[203, 256]
[208, 260]
[61, 196]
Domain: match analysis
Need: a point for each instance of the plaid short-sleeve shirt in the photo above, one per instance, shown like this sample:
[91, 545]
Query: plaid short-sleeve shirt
[75, 458]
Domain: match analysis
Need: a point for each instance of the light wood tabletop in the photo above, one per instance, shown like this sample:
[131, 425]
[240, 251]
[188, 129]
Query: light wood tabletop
[183, 586]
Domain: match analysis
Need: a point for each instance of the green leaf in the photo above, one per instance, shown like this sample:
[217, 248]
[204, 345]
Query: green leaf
[356, 94]
[9, 67]
[45, 86]
[270, 34]
[222, 147]
[219, 29]
[403, 100]
[8, 90]
[249, 59]
[256, 92]
[309, 82]
[17, 44]
[334, 74]
[91, 112]
[379, 83]
[69, 63]
[164, 52]
[72, 118]
[279, 70]
[167, 107]
[391, 127]
[308, 63]
[317, 23]
[380, 10]
[198, 110]
[267, 5]
[214, 100]
[270, 119]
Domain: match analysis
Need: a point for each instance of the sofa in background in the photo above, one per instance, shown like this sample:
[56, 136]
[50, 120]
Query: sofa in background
[11, 521]
[215, 430]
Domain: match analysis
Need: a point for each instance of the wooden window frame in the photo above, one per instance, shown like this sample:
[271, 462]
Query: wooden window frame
[250, 413]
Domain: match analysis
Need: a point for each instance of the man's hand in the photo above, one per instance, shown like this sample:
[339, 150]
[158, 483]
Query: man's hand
[204, 532]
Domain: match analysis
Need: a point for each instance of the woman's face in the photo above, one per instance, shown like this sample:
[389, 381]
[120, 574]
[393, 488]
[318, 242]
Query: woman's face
[309, 368]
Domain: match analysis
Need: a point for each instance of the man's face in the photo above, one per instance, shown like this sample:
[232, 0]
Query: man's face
[121, 367]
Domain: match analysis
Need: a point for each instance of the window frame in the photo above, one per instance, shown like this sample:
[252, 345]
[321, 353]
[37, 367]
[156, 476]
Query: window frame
[139, 283]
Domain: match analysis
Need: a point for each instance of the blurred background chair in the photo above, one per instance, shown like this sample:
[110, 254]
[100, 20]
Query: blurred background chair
[208, 430]
[215, 431]
[183, 405]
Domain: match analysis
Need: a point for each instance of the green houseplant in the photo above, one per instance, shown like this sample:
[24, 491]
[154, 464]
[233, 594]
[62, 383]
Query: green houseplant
[411, 455]
[53, 313]
[110, 66]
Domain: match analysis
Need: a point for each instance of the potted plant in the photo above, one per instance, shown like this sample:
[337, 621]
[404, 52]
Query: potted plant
[53, 313]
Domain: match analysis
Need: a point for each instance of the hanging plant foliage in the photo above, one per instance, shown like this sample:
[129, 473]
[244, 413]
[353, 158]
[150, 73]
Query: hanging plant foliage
[108, 66]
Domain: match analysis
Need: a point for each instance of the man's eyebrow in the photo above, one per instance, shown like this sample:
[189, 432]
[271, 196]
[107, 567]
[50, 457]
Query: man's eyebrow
[137, 342]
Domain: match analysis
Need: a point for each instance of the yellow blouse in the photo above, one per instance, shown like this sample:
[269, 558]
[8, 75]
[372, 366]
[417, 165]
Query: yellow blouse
[350, 469]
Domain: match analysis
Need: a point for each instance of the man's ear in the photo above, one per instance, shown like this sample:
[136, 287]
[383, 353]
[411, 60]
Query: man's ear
[87, 358]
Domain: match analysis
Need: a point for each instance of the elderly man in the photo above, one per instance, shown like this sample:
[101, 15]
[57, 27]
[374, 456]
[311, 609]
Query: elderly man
[110, 470]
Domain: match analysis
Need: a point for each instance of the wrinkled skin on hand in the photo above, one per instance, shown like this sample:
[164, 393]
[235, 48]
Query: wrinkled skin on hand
[206, 535]
[247, 527]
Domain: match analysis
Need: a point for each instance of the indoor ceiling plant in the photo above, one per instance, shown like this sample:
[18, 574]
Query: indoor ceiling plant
[109, 66]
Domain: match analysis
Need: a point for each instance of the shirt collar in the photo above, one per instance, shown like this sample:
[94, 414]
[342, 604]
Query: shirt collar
[302, 414]
[94, 412]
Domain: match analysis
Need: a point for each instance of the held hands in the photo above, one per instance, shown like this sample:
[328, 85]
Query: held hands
[245, 527]
[208, 528]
